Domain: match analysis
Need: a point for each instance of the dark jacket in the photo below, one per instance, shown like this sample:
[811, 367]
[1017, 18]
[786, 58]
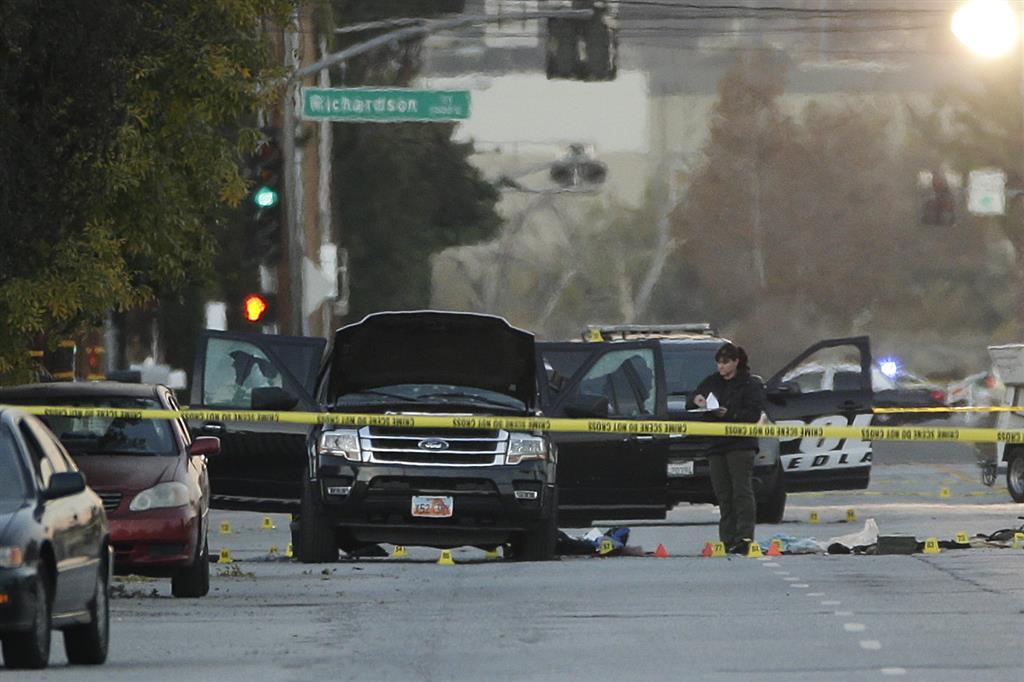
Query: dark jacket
[743, 400]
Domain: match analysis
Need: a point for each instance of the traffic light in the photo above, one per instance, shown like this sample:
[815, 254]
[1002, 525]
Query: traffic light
[578, 168]
[583, 49]
[939, 205]
[265, 201]
[256, 309]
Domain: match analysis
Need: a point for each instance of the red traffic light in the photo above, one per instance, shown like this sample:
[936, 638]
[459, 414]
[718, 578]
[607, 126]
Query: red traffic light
[253, 307]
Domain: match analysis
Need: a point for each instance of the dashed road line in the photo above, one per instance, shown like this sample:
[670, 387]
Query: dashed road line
[870, 644]
[854, 627]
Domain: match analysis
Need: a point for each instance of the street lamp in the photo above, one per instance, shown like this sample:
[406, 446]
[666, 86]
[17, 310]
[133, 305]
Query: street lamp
[987, 27]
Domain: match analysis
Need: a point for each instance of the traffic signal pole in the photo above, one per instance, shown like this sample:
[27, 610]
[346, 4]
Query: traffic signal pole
[298, 324]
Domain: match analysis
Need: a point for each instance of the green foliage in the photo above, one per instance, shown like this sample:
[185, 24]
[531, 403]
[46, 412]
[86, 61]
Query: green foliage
[115, 161]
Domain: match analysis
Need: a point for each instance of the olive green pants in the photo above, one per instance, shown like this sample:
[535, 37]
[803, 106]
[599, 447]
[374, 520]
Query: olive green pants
[731, 479]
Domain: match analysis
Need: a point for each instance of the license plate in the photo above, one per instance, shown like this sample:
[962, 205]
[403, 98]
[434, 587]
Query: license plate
[680, 468]
[430, 506]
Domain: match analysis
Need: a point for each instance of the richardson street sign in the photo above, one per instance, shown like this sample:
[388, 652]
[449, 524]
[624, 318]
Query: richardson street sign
[384, 104]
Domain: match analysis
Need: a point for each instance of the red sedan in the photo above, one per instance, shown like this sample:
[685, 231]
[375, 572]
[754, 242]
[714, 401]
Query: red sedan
[150, 473]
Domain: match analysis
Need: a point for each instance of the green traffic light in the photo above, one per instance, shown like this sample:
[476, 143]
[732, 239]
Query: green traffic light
[264, 197]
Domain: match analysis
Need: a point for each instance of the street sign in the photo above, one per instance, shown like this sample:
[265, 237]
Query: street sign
[389, 105]
[986, 191]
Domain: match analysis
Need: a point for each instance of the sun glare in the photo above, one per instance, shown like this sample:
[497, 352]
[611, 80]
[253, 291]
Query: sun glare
[987, 27]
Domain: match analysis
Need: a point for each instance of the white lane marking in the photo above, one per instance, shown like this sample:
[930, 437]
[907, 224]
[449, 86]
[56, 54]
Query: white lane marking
[781, 572]
[831, 602]
[791, 579]
[894, 671]
[772, 564]
[815, 594]
[801, 585]
[870, 644]
[844, 614]
[854, 627]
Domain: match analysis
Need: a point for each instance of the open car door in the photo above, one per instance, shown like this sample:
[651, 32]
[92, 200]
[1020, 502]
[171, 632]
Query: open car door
[829, 384]
[602, 475]
[260, 464]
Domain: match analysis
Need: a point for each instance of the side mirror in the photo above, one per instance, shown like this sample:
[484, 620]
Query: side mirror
[273, 399]
[784, 388]
[204, 445]
[65, 483]
[587, 405]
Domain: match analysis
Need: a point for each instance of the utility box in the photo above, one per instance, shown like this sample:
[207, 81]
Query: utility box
[1008, 361]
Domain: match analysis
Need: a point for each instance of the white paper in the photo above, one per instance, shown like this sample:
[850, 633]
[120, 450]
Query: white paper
[712, 402]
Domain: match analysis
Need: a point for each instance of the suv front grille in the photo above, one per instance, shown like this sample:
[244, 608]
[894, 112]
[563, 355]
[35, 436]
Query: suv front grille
[450, 447]
[111, 501]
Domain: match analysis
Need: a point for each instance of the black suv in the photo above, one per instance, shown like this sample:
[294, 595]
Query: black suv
[648, 372]
[351, 486]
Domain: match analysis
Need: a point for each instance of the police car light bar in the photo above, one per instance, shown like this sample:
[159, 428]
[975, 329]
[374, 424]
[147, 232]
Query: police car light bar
[604, 332]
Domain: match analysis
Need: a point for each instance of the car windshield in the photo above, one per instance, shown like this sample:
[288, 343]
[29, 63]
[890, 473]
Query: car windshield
[12, 475]
[686, 367]
[430, 394]
[97, 435]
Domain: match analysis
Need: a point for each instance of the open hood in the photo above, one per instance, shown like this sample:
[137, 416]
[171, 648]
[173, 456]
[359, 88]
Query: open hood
[429, 347]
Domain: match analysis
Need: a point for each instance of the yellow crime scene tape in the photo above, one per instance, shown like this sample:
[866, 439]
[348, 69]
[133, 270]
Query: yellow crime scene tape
[620, 426]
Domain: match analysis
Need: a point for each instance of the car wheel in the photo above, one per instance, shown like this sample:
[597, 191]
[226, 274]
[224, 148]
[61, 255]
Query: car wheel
[318, 543]
[538, 543]
[194, 581]
[1015, 475]
[771, 505]
[32, 649]
[87, 644]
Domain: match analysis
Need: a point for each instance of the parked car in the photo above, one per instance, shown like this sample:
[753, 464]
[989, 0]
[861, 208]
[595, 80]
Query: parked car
[150, 473]
[648, 372]
[55, 555]
[353, 486]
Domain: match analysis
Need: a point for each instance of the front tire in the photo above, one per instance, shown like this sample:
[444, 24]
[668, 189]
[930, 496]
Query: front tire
[194, 581]
[538, 543]
[318, 543]
[32, 649]
[1015, 474]
[772, 506]
[88, 644]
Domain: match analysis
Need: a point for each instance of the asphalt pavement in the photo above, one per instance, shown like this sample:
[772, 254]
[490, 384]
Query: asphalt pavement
[949, 616]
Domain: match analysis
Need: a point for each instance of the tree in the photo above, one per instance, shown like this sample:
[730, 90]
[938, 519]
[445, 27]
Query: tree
[403, 191]
[120, 149]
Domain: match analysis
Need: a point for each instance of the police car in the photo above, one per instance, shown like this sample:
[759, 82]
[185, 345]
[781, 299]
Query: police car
[648, 372]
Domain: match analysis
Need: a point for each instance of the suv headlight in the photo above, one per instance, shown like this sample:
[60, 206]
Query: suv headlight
[11, 557]
[340, 443]
[160, 496]
[522, 447]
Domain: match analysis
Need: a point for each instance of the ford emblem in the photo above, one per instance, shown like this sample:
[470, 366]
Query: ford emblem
[432, 444]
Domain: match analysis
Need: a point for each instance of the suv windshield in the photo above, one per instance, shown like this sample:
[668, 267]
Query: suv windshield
[12, 477]
[114, 436]
[430, 394]
[686, 367]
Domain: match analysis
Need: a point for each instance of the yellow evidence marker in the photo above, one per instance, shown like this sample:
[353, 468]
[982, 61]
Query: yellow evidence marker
[273, 550]
[1018, 540]
[289, 551]
[944, 493]
[225, 528]
[606, 547]
[492, 554]
[717, 549]
[399, 552]
[268, 524]
[225, 557]
[851, 515]
[962, 539]
[814, 517]
[754, 551]
[446, 558]
[931, 546]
